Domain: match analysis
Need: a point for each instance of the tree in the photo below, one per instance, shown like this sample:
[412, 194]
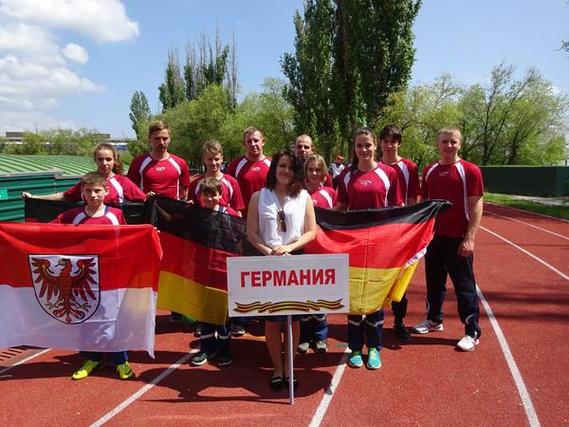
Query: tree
[268, 111]
[510, 121]
[139, 113]
[376, 50]
[172, 91]
[209, 64]
[349, 57]
[196, 121]
[310, 74]
[420, 112]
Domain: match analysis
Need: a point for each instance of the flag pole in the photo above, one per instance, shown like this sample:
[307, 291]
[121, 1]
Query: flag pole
[290, 360]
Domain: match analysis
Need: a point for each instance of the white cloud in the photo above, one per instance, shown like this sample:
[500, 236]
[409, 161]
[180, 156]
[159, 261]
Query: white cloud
[100, 20]
[76, 53]
[25, 82]
[37, 67]
[30, 121]
[29, 41]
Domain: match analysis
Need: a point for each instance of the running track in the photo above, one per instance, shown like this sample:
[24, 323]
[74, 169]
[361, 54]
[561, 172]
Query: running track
[517, 376]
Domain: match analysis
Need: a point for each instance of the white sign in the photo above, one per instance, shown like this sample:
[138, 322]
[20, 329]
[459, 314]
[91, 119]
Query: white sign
[282, 285]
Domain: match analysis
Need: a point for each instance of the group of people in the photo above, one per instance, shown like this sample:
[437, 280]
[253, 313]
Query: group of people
[277, 196]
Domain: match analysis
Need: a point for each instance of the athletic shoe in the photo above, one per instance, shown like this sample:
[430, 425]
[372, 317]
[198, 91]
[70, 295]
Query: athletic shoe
[303, 347]
[85, 370]
[320, 346]
[402, 333]
[373, 359]
[355, 360]
[237, 330]
[198, 331]
[467, 343]
[199, 359]
[427, 326]
[124, 371]
[224, 359]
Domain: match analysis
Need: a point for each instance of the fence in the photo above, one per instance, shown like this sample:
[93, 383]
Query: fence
[37, 183]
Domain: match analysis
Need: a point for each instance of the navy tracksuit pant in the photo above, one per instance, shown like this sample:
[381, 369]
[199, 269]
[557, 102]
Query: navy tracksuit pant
[442, 259]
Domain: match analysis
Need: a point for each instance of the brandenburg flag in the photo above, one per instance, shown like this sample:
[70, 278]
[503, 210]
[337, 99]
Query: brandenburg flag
[196, 244]
[384, 246]
[88, 287]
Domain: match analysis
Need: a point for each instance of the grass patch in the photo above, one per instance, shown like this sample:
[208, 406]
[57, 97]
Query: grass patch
[528, 205]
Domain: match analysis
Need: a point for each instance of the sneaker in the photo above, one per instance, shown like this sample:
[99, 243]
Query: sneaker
[402, 333]
[373, 359]
[198, 331]
[125, 372]
[224, 359]
[427, 326]
[237, 330]
[320, 346]
[199, 359]
[467, 343]
[355, 360]
[303, 347]
[85, 370]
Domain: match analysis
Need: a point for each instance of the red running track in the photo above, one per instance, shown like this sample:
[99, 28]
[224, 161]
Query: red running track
[517, 376]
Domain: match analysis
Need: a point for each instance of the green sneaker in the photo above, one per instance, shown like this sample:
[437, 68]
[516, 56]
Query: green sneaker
[373, 359]
[125, 372]
[88, 367]
[355, 360]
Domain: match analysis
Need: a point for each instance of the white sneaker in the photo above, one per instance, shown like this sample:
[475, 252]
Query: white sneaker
[467, 343]
[427, 326]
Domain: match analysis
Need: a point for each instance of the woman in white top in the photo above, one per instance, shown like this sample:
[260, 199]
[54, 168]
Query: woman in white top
[280, 221]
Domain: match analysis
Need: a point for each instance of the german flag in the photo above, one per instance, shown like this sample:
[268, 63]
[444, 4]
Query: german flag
[196, 243]
[384, 245]
[38, 210]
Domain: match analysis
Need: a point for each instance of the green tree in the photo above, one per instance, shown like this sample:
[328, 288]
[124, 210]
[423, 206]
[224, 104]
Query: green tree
[510, 121]
[310, 74]
[420, 112]
[196, 121]
[377, 50]
[349, 57]
[139, 113]
[33, 144]
[207, 66]
[268, 111]
[172, 91]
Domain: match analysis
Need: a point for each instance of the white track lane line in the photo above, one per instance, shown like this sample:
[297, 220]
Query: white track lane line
[329, 393]
[528, 224]
[516, 374]
[122, 406]
[552, 268]
[33, 356]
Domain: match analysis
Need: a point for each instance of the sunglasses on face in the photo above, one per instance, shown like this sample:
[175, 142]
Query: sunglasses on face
[281, 219]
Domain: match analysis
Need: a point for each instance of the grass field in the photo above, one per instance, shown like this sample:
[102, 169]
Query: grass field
[557, 211]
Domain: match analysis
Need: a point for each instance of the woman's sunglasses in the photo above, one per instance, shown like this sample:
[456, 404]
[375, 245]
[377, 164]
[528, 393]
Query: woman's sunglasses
[281, 220]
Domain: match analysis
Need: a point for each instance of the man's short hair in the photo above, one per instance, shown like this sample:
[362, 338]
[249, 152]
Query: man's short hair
[304, 137]
[210, 186]
[450, 131]
[212, 146]
[156, 126]
[391, 132]
[250, 130]
[94, 178]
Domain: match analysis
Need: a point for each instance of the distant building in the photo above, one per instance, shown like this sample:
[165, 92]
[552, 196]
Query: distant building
[17, 138]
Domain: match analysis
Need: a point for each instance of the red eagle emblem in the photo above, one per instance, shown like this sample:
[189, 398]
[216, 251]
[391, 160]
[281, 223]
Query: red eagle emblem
[67, 287]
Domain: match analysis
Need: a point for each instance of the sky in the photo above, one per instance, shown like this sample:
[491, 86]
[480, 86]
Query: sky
[76, 63]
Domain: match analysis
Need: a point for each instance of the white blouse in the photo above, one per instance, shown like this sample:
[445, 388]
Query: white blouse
[294, 209]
